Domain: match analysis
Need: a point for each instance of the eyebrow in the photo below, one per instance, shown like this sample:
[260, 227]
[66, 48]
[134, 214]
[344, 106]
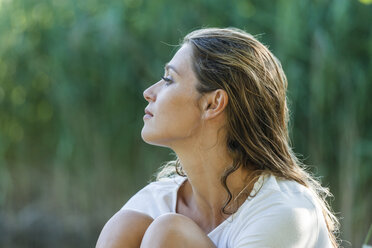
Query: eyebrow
[168, 66]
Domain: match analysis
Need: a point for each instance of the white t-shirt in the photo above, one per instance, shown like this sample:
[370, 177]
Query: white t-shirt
[282, 214]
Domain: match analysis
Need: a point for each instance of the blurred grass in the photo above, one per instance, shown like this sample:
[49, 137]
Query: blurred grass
[72, 75]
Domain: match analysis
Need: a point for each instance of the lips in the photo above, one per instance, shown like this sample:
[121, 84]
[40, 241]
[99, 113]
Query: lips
[148, 112]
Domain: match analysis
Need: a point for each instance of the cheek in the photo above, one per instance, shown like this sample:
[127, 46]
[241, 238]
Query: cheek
[175, 118]
[177, 103]
[179, 112]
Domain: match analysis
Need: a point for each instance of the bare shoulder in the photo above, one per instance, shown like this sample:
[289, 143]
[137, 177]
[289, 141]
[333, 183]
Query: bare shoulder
[126, 226]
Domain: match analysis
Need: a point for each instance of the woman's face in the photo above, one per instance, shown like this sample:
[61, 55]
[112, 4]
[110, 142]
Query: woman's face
[174, 115]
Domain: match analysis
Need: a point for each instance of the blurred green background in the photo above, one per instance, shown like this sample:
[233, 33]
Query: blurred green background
[72, 73]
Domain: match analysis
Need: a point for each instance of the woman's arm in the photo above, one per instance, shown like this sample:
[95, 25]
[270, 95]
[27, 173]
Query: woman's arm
[125, 230]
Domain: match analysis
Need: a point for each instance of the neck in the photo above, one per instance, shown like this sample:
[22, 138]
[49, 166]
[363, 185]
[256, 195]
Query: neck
[203, 193]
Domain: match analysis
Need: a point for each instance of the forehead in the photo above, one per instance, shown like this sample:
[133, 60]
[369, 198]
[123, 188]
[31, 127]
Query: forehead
[181, 61]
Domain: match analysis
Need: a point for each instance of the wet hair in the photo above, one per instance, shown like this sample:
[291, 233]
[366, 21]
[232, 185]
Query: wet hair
[257, 114]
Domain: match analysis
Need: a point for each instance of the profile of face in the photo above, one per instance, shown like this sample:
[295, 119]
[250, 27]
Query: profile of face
[173, 115]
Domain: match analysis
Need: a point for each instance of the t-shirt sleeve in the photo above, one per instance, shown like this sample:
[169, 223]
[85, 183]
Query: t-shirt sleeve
[154, 199]
[282, 227]
[140, 200]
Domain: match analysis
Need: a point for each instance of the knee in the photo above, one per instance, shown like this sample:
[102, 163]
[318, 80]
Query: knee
[168, 229]
[125, 227]
[170, 223]
[130, 216]
[129, 219]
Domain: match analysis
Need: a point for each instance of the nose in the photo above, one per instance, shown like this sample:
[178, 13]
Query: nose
[149, 94]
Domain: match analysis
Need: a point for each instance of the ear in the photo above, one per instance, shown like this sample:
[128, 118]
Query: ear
[214, 103]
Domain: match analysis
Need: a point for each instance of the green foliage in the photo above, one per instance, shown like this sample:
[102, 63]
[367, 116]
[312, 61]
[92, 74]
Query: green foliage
[72, 75]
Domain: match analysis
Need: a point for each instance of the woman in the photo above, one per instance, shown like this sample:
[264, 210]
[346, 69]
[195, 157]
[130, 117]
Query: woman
[221, 107]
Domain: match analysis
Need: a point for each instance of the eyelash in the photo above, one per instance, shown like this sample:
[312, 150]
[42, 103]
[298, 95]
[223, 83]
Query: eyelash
[167, 80]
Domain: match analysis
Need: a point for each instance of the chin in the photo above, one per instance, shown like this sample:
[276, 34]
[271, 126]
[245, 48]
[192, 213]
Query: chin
[145, 136]
[148, 137]
[151, 139]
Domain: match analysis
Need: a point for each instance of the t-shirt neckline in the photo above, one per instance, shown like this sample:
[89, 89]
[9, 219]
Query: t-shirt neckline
[258, 184]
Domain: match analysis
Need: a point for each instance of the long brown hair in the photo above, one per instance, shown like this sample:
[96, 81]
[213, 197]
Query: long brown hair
[257, 112]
